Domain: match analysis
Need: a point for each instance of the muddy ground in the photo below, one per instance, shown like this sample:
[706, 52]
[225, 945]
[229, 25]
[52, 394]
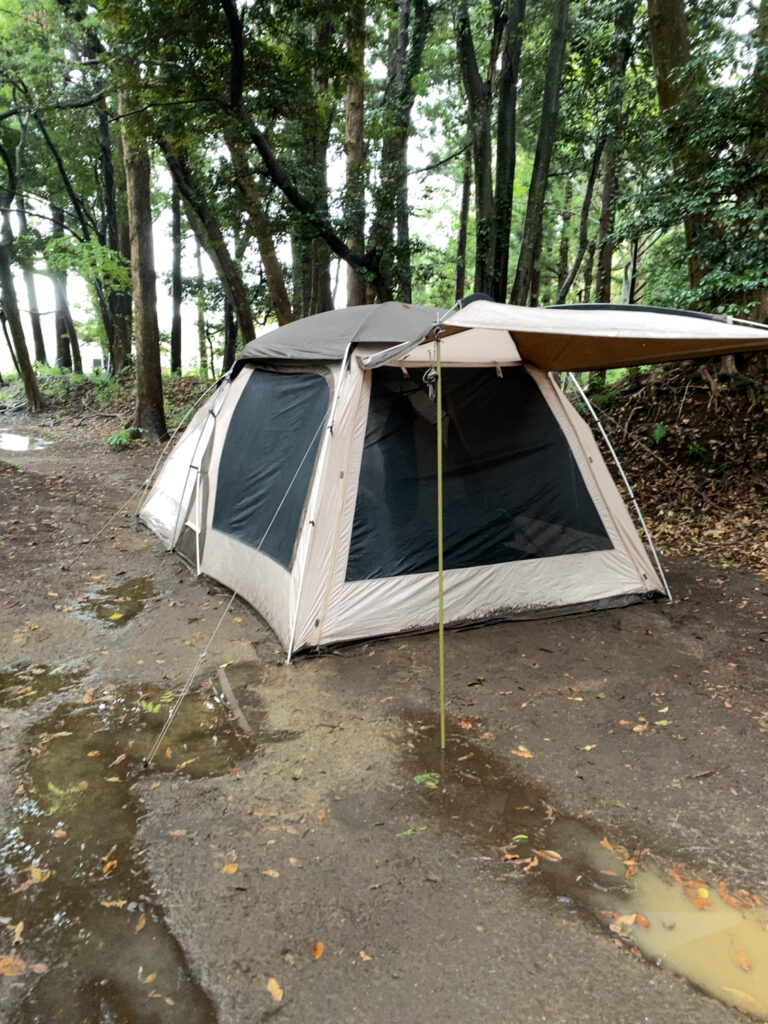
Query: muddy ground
[331, 866]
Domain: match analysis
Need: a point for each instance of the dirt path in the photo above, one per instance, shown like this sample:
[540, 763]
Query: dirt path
[332, 867]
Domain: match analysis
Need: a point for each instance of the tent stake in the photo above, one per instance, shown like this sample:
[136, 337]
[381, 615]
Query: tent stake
[440, 585]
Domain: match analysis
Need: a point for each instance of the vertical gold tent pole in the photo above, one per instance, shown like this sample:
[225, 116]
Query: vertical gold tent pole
[440, 586]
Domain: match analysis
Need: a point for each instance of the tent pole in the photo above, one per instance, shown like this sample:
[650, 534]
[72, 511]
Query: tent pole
[440, 545]
[583, 395]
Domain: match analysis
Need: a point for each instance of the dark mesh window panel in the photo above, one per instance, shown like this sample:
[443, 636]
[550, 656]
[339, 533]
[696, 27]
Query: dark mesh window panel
[268, 460]
[511, 487]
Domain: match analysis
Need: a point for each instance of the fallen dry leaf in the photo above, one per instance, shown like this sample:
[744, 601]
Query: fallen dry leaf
[273, 987]
[271, 873]
[109, 866]
[364, 955]
[141, 922]
[178, 832]
[17, 930]
[318, 948]
[552, 855]
[642, 920]
[229, 869]
[521, 752]
[742, 960]
[12, 966]
[150, 978]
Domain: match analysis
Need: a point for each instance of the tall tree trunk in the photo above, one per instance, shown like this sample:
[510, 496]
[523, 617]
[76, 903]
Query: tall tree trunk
[676, 86]
[29, 284]
[63, 349]
[149, 416]
[586, 206]
[202, 349]
[625, 17]
[176, 280]
[461, 243]
[531, 241]
[563, 252]
[505, 145]
[479, 109]
[230, 337]
[208, 231]
[354, 138]
[386, 241]
[121, 303]
[261, 230]
[11, 311]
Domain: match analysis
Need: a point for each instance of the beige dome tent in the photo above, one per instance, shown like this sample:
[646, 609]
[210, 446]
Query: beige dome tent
[307, 483]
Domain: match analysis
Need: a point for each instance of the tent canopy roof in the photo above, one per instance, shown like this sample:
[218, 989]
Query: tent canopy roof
[556, 338]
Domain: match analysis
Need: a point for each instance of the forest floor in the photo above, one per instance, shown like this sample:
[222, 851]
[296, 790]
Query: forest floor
[298, 848]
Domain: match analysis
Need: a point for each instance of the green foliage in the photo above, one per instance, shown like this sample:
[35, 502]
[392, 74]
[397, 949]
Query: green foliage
[660, 431]
[122, 439]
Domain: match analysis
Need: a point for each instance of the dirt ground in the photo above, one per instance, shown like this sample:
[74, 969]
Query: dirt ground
[322, 870]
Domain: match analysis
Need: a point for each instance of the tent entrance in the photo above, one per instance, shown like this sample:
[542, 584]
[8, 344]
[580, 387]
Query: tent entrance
[513, 489]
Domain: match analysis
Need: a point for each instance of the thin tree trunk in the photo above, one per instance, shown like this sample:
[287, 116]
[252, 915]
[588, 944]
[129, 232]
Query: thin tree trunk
[589, 264]
[532, 230]
[29, 283]
[461, 244]
[625, 16]
[230, 337]
[261, 230]
[354, 126]
[563, 252]
[201, 329]
[11, 313]
[176, 280]
[210, 236]
[149, 416]
[565, 285]
[505, 145]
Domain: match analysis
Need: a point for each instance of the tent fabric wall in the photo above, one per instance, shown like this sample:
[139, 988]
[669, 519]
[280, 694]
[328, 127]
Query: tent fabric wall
[304, 584]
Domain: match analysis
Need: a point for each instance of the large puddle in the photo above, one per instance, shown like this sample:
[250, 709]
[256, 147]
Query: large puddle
[85, 934]
[118, 604]
[709, 933]
[23, 684]
[20, 443]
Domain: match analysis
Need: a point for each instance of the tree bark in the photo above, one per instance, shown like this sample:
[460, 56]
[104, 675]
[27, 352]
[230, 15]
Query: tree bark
[176, 280]
[354, 138]
[149, 415]
[11, 311]
[461, 243]
[565, 285]
[202, 348]
[531, 241]
[505, 145]
[208, 231]
[676, 85]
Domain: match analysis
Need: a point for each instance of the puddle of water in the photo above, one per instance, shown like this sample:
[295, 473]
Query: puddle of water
[92, 926]
[23, 684]
[117, 605]
[20, 443]
[715, 938]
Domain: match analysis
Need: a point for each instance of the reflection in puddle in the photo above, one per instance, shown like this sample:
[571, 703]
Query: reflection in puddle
[117, 605]
[95, 946]
[23, 684]
[716, 938]
[20, 443]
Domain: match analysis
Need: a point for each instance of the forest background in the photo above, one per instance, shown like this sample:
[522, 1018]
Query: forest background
[313, 154]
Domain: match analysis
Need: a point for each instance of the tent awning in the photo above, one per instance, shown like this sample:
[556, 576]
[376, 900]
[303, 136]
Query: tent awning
[584, 338]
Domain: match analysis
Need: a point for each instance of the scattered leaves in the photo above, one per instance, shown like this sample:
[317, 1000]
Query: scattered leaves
[273, 987]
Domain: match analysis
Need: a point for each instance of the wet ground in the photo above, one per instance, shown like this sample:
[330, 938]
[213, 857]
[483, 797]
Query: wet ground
[299, 848]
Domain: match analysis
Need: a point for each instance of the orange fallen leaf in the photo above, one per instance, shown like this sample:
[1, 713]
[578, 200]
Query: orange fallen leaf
[17, 930]
[468, 722]
[742, 960]
[521, 752]
[150, 978]
[38, 968]
[318, 948]
[642, 920]
[273, 987]
[606, 843]
[321, 815]
[93, 753]
[12, 966]
[89, 696]
[552, 855]
[364, 955]
[113, 903]
[178, 832]
[229, 869]
[141, 922]
[109, 866]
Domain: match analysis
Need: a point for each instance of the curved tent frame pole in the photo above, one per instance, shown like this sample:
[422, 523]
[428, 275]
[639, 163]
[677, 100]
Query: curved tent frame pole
[583, 395]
